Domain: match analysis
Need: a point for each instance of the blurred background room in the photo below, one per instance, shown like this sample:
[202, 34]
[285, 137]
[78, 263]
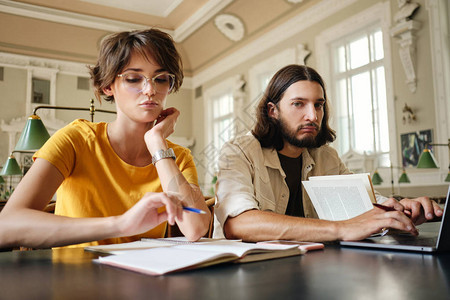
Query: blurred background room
[386, 64]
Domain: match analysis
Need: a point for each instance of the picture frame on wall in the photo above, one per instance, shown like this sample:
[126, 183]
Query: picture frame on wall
[413, 144]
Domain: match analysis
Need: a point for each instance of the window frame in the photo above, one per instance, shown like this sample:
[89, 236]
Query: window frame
[369, 68]
[439, 18]
[210, 94]
[46, 74]
[377, 14]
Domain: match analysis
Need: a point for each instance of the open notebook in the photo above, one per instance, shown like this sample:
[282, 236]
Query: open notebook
[161, 260]
[433, 237]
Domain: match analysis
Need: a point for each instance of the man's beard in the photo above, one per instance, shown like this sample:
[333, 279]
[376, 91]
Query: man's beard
[290, 135]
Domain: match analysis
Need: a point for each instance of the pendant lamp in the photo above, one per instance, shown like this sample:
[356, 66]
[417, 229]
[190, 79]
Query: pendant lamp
[427, 160]
[11, 167]
[33, 136]
[376, 178]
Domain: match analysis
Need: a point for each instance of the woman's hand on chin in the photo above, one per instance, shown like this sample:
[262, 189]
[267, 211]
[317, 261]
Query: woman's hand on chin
[163, 128]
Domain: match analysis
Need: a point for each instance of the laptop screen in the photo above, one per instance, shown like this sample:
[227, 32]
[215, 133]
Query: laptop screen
[443, 242]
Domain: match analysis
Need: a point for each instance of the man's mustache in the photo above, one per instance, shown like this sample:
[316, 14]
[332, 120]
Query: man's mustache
[308, 125]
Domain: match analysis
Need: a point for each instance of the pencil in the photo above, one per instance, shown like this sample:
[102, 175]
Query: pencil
[383, 207]
[194, 210]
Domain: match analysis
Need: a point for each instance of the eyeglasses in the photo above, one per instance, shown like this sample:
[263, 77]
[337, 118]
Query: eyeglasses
[162, 83]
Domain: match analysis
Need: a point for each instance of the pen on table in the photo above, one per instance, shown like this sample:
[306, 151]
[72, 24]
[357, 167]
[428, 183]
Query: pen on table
[194, 210]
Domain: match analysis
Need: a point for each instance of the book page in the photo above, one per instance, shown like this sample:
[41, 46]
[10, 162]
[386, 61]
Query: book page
[365, 177]
[157, 261]
[237, 248]
[179, 240]
[337, 200]
[119, 248]
[144, 243]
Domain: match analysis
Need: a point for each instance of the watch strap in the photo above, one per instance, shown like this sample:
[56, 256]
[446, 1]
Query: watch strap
[161, 154]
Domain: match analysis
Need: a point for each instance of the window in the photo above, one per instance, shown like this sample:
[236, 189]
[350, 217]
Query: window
[222, 119]
[220, 123]
[359, 87]
[41, 91]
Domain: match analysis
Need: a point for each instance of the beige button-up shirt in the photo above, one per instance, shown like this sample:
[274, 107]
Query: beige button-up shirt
[251, 177]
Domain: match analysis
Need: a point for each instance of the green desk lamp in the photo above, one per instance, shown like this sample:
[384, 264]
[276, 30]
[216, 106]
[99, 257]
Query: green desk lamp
[427, 160]
[376, 178]
[404, 177]
[11, 167]
[34, 135]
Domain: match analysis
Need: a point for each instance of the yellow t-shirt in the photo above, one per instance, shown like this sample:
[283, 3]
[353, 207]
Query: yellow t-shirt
[97, 182]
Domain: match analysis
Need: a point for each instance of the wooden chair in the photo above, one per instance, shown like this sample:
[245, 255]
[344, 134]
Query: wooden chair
[50, 208]
[174, 231]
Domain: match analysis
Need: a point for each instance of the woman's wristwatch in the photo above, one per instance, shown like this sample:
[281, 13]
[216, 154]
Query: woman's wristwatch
[161, 154]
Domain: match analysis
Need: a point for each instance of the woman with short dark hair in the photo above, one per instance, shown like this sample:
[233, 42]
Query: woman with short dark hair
[119, 181]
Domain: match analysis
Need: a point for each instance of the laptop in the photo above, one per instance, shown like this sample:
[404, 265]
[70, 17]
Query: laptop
[433, 237]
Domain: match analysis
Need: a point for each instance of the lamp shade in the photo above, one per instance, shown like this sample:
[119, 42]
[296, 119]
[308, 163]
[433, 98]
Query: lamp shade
[2, 180]
[447, 179]
[427, 160]
[34, 135]
[11, 167]
[376, 178]
[404, 178]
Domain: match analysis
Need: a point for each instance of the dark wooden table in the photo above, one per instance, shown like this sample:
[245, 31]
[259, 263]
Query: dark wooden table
[333, 273]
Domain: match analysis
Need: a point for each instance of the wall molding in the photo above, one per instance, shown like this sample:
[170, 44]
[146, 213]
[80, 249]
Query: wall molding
[61, 66]
[283, 32]
[404, 33]
[199, 18]
[210, 9]
[25, 62]
[65, 17]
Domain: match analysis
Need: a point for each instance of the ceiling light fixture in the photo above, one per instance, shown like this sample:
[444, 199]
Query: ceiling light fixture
[231, 26]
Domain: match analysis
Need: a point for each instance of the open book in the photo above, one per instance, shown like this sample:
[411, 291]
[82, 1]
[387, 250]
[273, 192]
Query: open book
[144, 243]
[162, 260]
[340, 197]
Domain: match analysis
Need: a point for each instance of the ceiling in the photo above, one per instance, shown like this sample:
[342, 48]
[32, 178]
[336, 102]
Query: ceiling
[72, 29]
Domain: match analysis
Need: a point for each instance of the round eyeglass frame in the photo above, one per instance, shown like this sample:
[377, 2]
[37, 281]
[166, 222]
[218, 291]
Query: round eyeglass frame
[147, 80]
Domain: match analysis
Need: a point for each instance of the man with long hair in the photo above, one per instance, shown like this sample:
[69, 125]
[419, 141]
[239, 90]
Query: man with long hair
[259, 191]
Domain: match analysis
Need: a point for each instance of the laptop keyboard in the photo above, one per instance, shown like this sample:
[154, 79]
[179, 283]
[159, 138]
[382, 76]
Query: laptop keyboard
[407, 239]
[416, 241]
